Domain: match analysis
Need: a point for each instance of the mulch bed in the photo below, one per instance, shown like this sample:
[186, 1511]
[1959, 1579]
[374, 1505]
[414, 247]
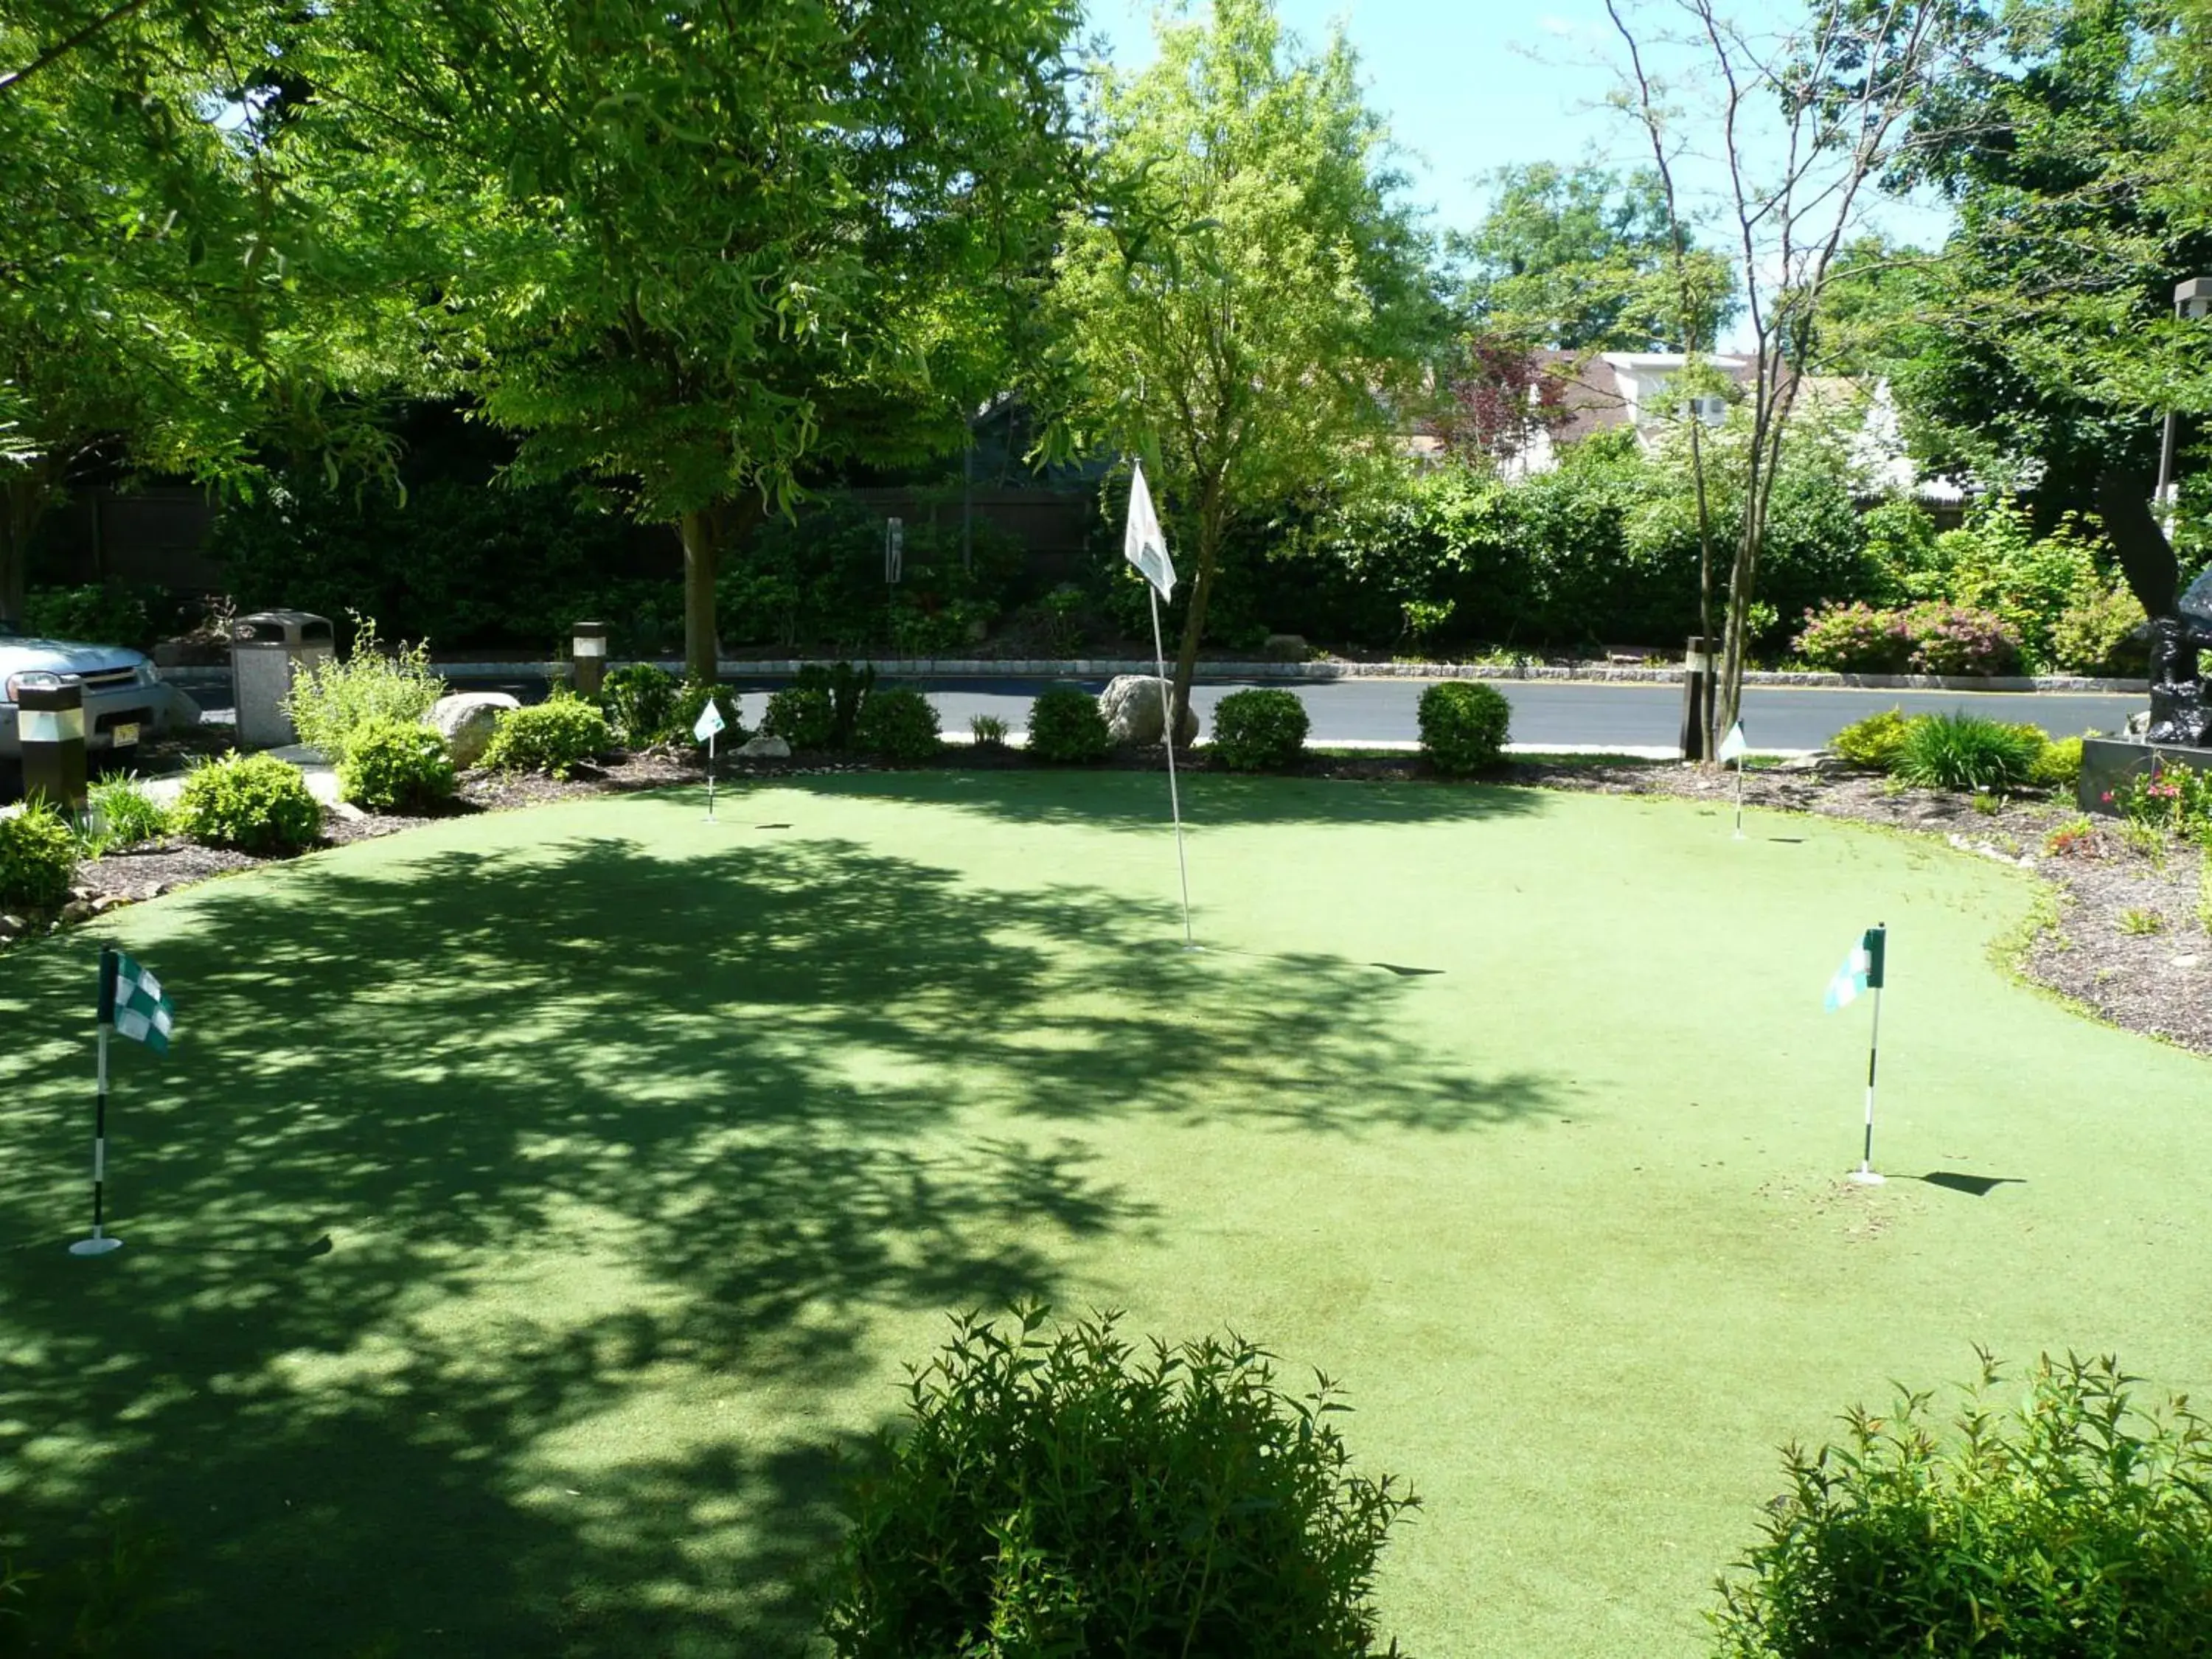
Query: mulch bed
[2158, 982]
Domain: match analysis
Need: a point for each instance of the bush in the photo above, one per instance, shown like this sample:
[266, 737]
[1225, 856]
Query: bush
[1952, 638]
[2168, 798]
[1262, 730]
[93, 615]
[394, 766]
[126, 814]
[2059, 765]
[1463, 726]
[2074, 1528]
[638, 703]
[38, 857]
[1873, 742]
[988, 731]
[2096, 632]
[898, 725]
[332, 700]
[1965, 751]
[821, 709]
[1060, 1494]
[254, 802]
[554, 736]
[1853, 639]
[691, 702]
[1066, 728]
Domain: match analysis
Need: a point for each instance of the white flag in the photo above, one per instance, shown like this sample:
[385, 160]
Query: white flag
[1735, 746]
[1142, 543]
[709, 722]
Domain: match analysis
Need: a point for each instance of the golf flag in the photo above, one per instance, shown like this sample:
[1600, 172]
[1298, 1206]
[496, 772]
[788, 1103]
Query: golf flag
[1862, 971]
[1142, 543]
[710, 721]
[1735, 746]
[131, 1000]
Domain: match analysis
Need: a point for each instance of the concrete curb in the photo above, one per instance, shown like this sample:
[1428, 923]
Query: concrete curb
[941, 668]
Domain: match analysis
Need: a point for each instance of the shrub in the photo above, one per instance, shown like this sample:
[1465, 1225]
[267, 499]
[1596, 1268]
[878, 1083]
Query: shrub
[1066, 728]
[95, 615]
[898, 725]
[1952, 638]
[393, 766]
[988, 731]
[2059, 764]
[126, 814]
[331, 700]
[691, 702]
[1853, 639]
[1873, 742]
[38, 856]
[638, 703]
[1261, 730]
[2074, 1527]
[1062, 1493]
[821, 709]
[1463, 726]
[254, 802]
[2176, 799]
[554, 736]
[2096, 632]
[1965, 751]
[2077, 837]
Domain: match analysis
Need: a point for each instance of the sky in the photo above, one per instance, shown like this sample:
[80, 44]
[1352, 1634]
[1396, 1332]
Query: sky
[1469, 86]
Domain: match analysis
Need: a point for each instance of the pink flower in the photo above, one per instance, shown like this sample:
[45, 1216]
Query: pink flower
[2108, 797]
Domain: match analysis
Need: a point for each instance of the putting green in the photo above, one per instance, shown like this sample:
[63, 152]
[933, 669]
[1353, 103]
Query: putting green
[646, 1150]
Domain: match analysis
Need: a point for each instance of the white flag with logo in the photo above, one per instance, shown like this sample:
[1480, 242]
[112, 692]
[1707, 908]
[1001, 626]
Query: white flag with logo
[710, 722]
[1735, 746]
[1142, 543]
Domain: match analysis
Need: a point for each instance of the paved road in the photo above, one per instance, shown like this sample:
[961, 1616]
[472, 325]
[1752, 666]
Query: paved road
[1383, 711]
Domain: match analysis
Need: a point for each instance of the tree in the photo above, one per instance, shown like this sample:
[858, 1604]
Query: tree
[1580, 258]
[1261, 304]
[1842, 99]
[696, 247]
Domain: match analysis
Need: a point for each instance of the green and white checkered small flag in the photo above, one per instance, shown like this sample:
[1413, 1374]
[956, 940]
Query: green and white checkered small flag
[141, 1013]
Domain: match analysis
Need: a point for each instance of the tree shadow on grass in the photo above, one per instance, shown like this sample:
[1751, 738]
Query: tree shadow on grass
[620, 1154]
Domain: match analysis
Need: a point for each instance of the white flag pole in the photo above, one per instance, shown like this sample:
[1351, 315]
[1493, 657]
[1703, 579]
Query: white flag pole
[1865, 1175]
[710, 777]
[1740, 760]
[1167, 735]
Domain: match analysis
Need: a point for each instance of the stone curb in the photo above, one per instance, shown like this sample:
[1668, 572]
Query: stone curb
[1322, 673]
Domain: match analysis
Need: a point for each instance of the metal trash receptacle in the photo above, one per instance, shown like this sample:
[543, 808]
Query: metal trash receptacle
[268, 649]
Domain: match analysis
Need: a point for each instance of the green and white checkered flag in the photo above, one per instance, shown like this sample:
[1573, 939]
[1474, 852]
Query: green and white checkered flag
[136, 1005]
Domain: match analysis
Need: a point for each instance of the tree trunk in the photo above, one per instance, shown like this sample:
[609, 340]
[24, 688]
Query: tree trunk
[2146, 556]
[702, 654]
[1202, 590]
[24, 500]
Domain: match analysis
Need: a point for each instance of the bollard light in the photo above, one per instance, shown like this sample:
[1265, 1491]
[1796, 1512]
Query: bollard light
[589, 647]
[49, 720]
[2193, 302]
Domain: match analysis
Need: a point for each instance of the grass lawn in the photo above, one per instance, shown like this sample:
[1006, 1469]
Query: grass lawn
[646, 1150]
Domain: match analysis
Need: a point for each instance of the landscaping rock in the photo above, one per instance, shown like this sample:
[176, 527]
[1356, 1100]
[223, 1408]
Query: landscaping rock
[465, 719]
[1286, 647]
[764, 748]
[1131, 704]
[76, 910]
[13, 926]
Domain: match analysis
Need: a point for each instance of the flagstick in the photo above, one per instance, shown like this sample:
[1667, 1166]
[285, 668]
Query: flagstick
[710, 777]
[1167, 736]
[100, 1243]
[1864, 1175]
[1740, 760]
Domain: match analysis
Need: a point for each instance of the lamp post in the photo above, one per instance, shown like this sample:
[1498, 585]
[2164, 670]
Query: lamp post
[589, 643]
[2192, 301]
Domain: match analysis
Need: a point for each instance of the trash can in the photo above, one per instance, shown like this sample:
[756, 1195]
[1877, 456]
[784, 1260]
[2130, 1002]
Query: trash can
[268, 649]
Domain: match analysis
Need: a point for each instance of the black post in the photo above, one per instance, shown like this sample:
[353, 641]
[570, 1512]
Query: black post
[1697, 698]
[50, 716]
[100, 1243]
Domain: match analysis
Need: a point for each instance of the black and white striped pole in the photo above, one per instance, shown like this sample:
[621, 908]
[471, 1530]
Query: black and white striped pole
[100, 1244]
[1876, 940]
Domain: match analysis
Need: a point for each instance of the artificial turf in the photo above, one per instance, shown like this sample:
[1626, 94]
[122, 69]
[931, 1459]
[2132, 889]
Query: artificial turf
[529, 1201]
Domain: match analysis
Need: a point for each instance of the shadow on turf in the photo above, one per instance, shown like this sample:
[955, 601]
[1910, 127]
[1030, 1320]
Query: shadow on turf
[695, 1118]
[1973, 1186]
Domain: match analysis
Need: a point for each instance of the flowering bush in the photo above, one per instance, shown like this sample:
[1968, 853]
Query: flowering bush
[1854, 639]
[2174, 797]
[1956, 639]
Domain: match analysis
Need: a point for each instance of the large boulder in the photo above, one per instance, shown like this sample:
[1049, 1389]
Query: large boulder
[464, 720]
[1131, 704]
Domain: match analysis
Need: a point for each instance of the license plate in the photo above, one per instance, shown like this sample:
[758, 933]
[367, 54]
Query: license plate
[125, 733]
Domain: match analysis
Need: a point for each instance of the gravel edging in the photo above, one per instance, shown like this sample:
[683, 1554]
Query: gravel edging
[2158, 984]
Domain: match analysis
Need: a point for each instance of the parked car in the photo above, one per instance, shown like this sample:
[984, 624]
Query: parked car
[125, 700]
